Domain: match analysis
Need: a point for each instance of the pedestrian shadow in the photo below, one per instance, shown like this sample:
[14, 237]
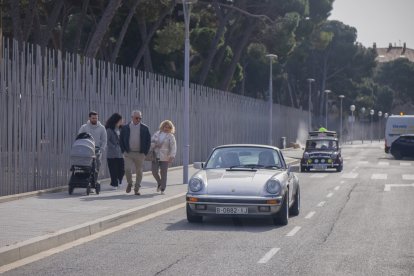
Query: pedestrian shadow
[123, 196]
[215, 224]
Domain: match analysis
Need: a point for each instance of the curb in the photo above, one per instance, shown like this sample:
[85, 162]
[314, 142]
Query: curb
[21, 250]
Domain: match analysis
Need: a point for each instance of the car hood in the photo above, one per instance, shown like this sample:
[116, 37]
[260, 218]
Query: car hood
[237, 182]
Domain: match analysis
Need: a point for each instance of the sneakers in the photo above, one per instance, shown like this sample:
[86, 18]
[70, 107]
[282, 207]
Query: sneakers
[158, 188]
[162, 192]
[114, 187]
[137, 193]
[128, 189]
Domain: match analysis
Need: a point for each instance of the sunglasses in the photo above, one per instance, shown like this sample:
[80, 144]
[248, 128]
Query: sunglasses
[137, 118]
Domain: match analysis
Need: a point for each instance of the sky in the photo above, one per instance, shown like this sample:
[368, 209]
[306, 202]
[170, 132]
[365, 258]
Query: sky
[380, 21]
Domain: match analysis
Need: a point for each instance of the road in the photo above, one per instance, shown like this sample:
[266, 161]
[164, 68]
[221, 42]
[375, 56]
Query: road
[358, 222]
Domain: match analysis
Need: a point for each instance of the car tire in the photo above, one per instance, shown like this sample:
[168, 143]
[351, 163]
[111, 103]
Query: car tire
[397, 154]
[295, 209]
[308, 169]
[192, 218]
[302, 168]
[282, 217]
[70, 189]
[339, 168]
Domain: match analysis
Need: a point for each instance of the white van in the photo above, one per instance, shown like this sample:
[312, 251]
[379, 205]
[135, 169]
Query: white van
[397, 125]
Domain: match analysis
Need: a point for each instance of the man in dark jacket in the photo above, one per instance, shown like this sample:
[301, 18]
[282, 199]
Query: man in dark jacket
[135, 142]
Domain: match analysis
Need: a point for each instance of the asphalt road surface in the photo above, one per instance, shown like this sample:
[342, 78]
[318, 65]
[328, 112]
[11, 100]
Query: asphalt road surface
[358, 222]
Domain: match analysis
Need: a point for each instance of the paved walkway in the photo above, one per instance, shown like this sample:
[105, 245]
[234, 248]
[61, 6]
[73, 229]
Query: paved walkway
[28, 219]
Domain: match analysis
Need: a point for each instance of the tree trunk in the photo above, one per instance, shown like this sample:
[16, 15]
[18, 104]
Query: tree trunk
[79, 29]
[28, 23]
[51, 23]
[123, 31]
[149, 36]
[220, 55]
[228, 76]
[15, 14]
[102, 28]
[213, 46]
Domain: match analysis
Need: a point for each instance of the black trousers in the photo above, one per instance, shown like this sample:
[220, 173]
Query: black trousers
[116, 170]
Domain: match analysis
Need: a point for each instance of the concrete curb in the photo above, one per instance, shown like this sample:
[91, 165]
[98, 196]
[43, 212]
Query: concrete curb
[59, 189]
[21, 250]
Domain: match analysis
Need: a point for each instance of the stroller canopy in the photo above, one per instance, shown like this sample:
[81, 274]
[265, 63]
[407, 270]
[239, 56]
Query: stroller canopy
[83, 147]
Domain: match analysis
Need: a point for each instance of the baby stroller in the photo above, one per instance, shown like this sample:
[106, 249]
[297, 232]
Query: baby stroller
[84, 170]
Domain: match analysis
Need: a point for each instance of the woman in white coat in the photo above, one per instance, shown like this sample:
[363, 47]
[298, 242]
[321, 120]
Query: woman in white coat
[165, 147]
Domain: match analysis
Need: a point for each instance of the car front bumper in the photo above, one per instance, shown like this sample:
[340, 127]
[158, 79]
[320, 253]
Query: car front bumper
[204, 205]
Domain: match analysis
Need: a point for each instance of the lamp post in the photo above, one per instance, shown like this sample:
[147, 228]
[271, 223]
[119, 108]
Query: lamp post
[340, 129]
[371, 112]
[310, 103]
[326, 107]
[352, 108]
[379, 131]
[363, 129]
[271, 58]
[186, 109]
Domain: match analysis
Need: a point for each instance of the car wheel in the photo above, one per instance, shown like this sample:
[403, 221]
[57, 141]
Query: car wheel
[302, 168]
[295, 209]
[192, 218]
[70, 190]
[282, 217]
[339, 168]
[308, 169]
[397, 154]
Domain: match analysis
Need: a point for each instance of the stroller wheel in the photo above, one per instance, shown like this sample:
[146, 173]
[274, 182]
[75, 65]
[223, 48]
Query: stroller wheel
[88, 190]
[97, 188]
[70, 190]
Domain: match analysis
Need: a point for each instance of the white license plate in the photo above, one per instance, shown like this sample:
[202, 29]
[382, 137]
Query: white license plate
[320, 167]
[231, 210]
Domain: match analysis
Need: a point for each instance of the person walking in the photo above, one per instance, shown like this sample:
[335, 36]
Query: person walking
[94, 127]
[165, 147]
[135, 142]
[114, 156]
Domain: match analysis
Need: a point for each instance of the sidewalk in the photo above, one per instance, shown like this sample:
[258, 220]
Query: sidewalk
[34, 224]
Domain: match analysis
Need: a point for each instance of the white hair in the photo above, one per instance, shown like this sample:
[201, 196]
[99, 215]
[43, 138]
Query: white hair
[136, 112]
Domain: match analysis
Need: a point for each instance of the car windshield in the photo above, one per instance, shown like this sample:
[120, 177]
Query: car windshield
[321, 145]
[244, 157]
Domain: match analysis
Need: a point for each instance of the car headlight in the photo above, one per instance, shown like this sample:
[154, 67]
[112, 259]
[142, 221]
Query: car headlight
[273, 186]
[306, 155]
[334, 155]
[195, 184]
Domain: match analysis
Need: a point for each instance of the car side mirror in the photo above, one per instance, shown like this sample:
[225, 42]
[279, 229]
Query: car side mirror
[198, 165]
[289, 169]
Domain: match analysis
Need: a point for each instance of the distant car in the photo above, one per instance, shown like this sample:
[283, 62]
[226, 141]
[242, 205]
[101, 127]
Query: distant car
[244, 181]
[322, 152]
[403, 146]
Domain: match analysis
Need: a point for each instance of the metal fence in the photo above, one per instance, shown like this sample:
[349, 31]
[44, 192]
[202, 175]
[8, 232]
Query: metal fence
[46, 96]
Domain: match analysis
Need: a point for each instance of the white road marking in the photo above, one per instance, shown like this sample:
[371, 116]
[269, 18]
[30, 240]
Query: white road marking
[363, 162]
[329, 195]
[408, 176]
[80, 241]
[319, 175]
[342, 182]
[382, 163]
[294, 231]
[349, 175]
[379, 176]
[268, 255]
[320, 204]
[310, 215]
[337, 188]
[388, 187]
[405, 164]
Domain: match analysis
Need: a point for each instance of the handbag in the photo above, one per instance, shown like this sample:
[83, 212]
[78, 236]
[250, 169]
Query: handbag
[150, 156]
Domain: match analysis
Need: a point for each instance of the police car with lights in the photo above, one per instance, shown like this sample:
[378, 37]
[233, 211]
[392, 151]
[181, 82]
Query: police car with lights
[322, 152]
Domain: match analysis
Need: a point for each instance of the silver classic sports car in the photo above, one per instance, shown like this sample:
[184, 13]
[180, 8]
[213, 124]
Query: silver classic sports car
[243, 180]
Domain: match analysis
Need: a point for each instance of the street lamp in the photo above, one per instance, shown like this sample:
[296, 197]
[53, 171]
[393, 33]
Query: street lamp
[363, 129]
[271, 58]
[340, 130]
[186, 109]
[326, 108]
[352, 108]
[371, 112]
[310, 103]
[379, 131]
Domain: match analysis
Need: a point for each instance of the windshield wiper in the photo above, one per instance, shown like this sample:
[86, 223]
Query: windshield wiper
[249, 166]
